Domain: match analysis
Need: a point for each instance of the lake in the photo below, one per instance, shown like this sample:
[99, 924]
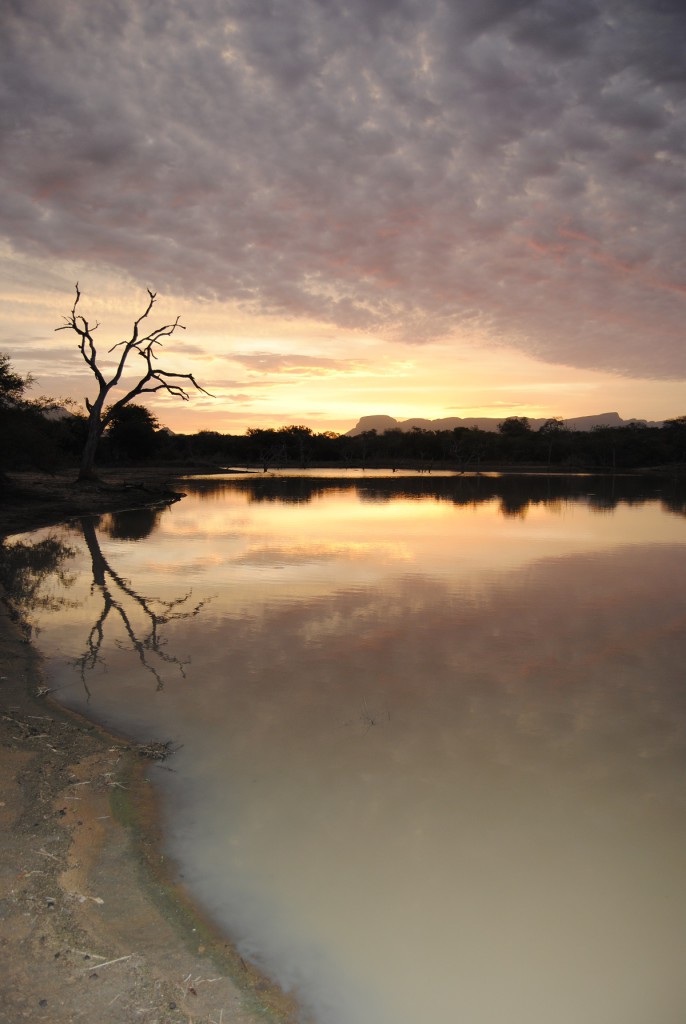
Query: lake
[431, 729]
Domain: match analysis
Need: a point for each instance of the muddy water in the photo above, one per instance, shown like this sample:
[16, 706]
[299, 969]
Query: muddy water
[431, 732]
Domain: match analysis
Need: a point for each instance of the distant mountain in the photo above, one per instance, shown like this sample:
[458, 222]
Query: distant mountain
[383, 423]
[56, 412]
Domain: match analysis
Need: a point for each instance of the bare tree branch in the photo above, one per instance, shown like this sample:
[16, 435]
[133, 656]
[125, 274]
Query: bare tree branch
[152, 379]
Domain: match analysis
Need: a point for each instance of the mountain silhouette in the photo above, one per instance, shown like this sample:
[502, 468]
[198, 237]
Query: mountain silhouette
[382, 423]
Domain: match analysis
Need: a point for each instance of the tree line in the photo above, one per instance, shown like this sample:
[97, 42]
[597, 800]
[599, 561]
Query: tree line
[43, 435]
[514, 445]
[133, 436]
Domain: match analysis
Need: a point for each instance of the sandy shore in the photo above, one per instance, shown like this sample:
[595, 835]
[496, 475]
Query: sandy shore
[92, 924]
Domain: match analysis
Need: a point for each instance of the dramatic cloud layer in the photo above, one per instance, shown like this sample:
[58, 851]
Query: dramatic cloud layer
[420, 168]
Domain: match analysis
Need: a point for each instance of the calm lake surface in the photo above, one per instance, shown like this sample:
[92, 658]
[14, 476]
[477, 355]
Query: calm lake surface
[432, 731]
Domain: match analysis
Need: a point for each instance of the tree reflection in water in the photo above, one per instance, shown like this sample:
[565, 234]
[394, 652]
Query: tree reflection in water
[25, 569]
[120, 600]
[34, 576]
[515, 492]
[134, 524]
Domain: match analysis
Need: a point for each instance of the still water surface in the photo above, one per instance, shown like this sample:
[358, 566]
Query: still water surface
[432, 732]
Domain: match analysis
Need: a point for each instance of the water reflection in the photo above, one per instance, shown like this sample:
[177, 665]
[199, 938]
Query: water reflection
[41, 575]
[429, 804]
[515, 493]
[143, 618]
[135, 524]
[26, 569]
[433, 750]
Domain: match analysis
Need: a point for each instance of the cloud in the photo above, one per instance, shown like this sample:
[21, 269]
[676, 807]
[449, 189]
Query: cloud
[301, 365]
[252, 384]
[53, 356]
[418, 168]
[238, 397]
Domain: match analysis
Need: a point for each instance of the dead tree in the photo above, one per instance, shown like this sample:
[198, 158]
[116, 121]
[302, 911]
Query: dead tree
[152, 380]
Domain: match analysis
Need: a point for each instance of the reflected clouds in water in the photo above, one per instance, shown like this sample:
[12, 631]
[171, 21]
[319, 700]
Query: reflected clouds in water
[442, 788]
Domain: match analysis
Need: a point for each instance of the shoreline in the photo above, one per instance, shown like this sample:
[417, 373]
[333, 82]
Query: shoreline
[94, 922]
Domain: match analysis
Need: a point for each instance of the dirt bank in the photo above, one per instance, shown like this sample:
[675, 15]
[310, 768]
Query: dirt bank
[31, 500]
[92, 926]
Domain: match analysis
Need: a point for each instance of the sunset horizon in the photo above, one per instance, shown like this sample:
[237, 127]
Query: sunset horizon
[417, 210]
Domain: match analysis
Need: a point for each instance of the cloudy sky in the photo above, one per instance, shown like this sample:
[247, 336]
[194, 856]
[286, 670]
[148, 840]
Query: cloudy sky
[413, 207]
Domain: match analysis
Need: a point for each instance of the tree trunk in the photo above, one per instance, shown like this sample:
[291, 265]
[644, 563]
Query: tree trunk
[87, 468]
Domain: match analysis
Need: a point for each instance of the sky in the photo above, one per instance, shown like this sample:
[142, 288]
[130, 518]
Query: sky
[421, 208]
